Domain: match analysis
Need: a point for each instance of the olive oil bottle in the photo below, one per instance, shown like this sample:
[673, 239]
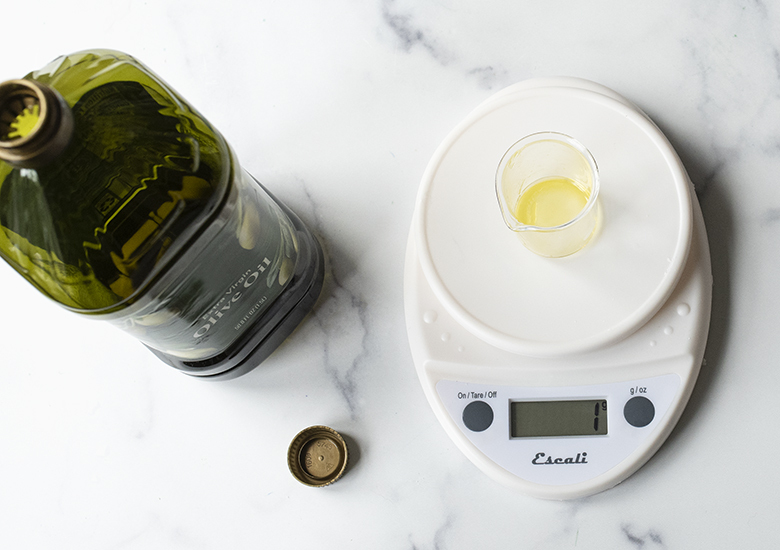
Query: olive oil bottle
[120, 201]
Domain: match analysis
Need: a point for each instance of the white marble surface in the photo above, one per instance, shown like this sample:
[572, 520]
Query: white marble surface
[337, 107]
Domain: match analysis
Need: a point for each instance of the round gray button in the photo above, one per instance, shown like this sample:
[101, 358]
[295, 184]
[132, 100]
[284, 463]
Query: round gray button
[478, 416]
[639, 411]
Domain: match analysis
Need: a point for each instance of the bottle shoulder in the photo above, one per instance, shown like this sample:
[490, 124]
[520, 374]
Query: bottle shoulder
[142, 174]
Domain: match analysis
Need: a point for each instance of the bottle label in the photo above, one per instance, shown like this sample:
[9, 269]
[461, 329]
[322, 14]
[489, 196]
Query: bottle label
[231, 302]
[242, 267]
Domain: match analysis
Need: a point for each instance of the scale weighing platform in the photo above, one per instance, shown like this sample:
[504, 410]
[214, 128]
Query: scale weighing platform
[559, 377]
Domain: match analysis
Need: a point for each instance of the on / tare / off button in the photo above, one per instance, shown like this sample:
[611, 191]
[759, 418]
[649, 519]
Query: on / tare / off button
[478, 416]
[639, 411]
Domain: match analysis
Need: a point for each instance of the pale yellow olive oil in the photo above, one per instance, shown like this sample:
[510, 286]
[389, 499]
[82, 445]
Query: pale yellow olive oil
[551, 202]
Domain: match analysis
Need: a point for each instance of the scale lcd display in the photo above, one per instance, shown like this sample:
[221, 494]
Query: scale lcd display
[558, 418]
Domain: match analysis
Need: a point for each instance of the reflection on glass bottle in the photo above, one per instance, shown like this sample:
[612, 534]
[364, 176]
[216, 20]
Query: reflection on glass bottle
[118, 200]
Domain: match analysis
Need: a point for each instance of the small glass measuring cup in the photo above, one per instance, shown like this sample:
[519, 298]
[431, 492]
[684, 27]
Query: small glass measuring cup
[547, 185]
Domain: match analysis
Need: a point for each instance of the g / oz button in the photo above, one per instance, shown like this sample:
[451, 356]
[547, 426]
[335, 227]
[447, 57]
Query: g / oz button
[639, 411]
[478, 416]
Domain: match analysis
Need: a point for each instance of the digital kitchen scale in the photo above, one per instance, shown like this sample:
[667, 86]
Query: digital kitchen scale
[558, 377]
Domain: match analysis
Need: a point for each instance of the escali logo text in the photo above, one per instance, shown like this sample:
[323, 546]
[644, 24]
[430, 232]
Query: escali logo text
[541, 459]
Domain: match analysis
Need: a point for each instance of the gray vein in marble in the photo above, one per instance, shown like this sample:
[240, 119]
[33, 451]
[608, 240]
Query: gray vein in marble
[720, 79]
[651, 537]
[705, 176]
[771, 216]
[491, 77]
[762, 8]
[441, 533]
[344, 376]
[410, 35]
[776, 60]
[340, 308]
[439, 537]
[703, 70]
[706, 169]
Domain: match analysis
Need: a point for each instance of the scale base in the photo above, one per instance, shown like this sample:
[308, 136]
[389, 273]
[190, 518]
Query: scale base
[644, 375]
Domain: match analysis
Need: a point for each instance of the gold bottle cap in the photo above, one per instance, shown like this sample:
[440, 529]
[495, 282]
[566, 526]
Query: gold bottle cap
[317, 456]
[35, 123]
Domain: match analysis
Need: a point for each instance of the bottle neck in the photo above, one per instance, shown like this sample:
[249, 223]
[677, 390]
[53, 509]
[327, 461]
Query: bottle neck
[36, 124]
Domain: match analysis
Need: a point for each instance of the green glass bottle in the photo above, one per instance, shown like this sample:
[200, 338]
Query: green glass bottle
[118, 200]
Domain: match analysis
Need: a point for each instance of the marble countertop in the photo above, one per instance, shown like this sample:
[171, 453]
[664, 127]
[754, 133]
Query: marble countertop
[102, 446]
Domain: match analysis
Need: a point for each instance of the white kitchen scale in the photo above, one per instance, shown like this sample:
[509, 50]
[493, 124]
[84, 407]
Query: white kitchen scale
[558, 377]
